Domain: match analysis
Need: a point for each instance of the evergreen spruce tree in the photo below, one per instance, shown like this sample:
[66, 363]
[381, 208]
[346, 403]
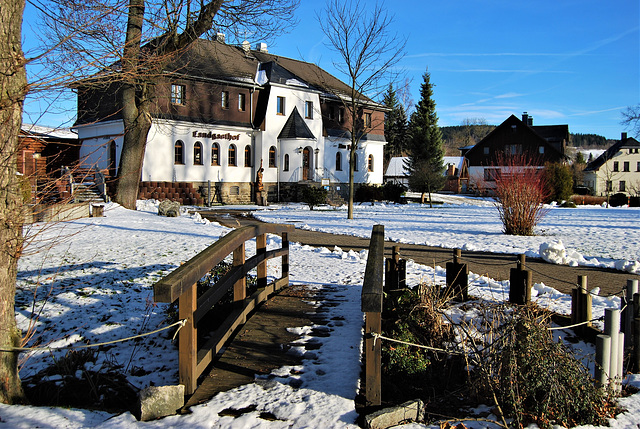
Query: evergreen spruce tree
[425, 163]
[395, 125]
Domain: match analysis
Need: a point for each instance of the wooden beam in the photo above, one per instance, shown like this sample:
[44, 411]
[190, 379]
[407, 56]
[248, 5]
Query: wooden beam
[188, 342]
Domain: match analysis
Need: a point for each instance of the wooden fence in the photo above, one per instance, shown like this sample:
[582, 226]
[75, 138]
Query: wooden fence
[181, 285]
[609, 364]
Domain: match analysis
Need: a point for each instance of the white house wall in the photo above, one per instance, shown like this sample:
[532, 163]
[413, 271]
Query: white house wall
[597, 180]
[159, 163]
[95, 139]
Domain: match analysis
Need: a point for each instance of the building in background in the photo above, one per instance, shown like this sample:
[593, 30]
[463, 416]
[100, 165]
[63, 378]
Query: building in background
[222, 111]
[537, 144]
[616, 170]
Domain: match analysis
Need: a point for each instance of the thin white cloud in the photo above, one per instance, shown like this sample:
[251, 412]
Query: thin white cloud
[507, 71]
[595, 112]
[493, 54]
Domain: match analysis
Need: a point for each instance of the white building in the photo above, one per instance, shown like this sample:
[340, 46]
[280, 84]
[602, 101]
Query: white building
[221, 112]
[616, 170]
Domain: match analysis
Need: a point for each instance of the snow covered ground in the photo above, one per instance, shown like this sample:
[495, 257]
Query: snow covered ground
[93, 282]
[586, 235]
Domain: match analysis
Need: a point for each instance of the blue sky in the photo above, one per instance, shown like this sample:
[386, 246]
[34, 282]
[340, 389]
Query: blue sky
[574, 62]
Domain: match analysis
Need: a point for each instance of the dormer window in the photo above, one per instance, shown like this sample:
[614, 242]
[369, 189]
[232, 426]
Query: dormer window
[178, 94]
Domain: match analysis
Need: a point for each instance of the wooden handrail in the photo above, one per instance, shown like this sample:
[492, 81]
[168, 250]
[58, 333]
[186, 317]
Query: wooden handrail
[372, 307]
[172, 286]
[181, 285]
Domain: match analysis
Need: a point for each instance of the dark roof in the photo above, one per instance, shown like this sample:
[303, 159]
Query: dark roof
[346, 134]
[295, 127]
[627, 143]
[552, 135]
[217, 60]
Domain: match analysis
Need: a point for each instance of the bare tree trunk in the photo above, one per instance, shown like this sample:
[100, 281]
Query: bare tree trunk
[352, 168]
[136, 118]
[13, 85]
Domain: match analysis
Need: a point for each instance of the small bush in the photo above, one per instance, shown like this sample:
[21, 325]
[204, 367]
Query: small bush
[619, 199]
[313, 196]
[538, 380]
[393, 192]
[568, 204]
[368, 194]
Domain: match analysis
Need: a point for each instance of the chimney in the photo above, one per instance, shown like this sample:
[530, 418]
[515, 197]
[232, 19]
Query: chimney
[528, 120]
[220, 37]
[623, 137]
[246, 46]
[262, 47]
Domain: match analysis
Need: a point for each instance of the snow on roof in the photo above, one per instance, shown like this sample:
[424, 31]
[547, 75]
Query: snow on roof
[455, 160]
[397, 167]
[44, 131]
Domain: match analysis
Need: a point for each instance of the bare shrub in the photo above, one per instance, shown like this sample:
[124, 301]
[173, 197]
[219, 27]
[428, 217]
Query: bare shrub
[520, 192]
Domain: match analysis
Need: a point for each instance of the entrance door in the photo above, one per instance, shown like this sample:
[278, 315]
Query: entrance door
[306, 160]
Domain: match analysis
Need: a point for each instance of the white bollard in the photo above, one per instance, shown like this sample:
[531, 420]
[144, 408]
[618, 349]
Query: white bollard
[632, 288]
[603, 360]
[620, 362]
[612, 329]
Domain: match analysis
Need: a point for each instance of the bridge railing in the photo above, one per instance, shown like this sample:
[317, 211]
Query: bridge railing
[181, 285]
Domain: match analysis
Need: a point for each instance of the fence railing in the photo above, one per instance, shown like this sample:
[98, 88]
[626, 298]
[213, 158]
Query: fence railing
[181, 285]
[609, 347]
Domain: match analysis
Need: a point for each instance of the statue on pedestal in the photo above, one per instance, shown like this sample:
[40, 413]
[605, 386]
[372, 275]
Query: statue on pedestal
[260, 200]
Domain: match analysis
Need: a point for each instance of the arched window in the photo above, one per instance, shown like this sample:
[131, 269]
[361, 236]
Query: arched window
[232, 155]
[197, 153]
[370, 163]
[338, 161]
[355, 162]
[179, 153]
[286, 162]
[247, 156]
[215, 154]
[272, 156]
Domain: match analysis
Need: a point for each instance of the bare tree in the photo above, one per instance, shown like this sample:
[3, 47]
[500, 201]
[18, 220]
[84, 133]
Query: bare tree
[129, 44]
[13, 86]
[368, 53]
[631, 118]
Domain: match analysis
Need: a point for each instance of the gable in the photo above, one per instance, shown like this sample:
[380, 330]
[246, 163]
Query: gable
[514, 137]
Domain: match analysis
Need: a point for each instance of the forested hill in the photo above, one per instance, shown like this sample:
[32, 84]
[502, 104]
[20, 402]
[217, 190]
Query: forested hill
[457, 136]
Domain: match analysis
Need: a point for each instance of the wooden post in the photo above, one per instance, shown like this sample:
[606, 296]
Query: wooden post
[457, 278]
[371, 306]
[520, 282]
[373, 358]
[395, 275]
[261, 249]
[285, 256]
[628, 314]
[239, 287]
[188, 341]
[581, 305]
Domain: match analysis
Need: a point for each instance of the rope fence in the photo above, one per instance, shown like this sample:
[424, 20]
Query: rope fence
[179, 323]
